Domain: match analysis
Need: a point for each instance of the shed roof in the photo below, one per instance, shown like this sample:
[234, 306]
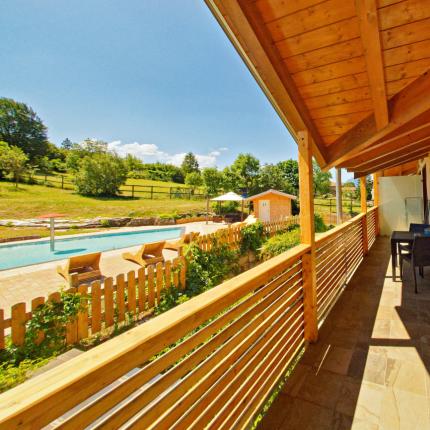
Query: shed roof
[279, 193]
[354, 73]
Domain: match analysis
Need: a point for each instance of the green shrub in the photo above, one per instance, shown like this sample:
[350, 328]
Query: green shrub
[320, 226]
[280, 243]
[252, 237]
[11, 375]
[100, 174]
[206, 269]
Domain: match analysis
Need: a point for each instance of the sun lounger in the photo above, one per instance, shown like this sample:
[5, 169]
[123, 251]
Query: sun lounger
[185, 239]
[85, 267]
[150, 253]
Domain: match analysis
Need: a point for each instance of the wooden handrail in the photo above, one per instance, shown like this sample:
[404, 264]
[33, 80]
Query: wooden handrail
[40, 400]
[323, 237]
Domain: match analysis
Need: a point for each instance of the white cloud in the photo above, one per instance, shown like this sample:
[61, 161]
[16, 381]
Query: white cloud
[149, 153]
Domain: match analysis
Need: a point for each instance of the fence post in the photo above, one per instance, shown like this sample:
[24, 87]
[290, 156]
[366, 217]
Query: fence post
[152, 192]
[62, 182]
[363, 196]
[170, 192]
[132, 191]
[307, 236]
[46, 178]
[18, 320]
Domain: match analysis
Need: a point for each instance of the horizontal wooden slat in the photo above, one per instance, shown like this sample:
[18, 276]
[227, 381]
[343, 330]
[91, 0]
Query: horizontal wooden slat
[405, 12]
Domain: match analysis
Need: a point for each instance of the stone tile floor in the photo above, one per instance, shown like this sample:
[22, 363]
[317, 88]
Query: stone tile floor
[370, 368]
[26, 283]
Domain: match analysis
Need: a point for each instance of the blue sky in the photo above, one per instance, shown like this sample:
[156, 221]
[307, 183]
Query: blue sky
[155, 78]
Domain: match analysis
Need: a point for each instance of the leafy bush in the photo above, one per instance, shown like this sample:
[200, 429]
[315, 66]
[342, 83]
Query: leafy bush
[252, 237]
[280, 243]
[11, 375]
[320, 226]
[100, 174]
[207, 269]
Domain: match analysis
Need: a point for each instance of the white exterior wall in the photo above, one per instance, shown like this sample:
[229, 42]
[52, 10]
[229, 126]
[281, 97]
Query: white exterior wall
[400, 202]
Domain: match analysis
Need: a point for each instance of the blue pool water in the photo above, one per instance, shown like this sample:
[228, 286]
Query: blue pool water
[24, 254]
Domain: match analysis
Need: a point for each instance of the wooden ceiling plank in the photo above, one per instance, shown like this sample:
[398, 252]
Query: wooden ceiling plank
[406, 53]
[406, 34]
[394, 87]
[411, 102]
[338, 98]
[410, 69]
[368, 17]
[325, 36]
[311, 18]
[403, 13]
[330, 71]
[327, 55]
[342, 109]
[345, 83]
[275, 9]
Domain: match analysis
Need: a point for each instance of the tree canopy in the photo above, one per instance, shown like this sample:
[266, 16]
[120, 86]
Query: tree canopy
[22, 128]
[189, 164]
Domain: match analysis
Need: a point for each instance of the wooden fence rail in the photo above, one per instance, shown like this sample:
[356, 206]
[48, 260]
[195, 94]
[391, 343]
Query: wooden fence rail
[104, 305]
[210, 362]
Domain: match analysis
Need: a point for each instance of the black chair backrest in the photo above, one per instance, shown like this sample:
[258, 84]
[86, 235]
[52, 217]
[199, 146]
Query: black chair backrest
[421, 251]
[418, 228]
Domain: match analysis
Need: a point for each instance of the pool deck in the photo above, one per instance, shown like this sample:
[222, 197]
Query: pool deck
[26, 283]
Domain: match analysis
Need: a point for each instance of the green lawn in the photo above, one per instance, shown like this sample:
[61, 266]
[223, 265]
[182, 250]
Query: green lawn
[29, 201]
[11, 232]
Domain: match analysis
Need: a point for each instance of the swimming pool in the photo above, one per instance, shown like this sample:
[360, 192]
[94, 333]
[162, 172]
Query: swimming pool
[24, 254]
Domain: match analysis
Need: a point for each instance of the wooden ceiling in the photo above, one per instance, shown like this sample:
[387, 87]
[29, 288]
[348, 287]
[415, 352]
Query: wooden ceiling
[355, 73]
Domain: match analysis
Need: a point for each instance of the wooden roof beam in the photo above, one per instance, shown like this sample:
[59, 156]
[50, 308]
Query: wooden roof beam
[369, 31]
[243, 25]
[384, 147]
[393, 163]
[419, 147]
[406, 105]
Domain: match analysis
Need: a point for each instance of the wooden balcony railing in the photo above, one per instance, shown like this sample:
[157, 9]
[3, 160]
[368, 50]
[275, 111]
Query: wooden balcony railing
[210, 362]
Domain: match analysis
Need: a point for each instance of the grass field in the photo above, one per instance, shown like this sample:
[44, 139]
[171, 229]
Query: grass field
[11, 232]
[29, 201]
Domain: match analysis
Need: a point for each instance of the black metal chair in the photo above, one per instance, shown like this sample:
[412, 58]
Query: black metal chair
[413, 228]
[418, 257]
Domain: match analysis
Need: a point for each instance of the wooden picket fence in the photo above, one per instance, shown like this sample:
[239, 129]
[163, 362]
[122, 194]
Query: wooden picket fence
[232, 234]
[133, 295]
[128, 297]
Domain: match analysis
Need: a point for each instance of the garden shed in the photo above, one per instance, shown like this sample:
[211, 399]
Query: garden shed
[272, 205]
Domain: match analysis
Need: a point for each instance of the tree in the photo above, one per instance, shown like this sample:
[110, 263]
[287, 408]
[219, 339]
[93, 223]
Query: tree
[194, 180]
[212, 180]
[189, 164]
[272, 177]
[133, 163]
[100, 174]
[247, 168]
[230, 181]
[13, 161]
[67, 144]
[321, 180]
[22, 128]
[290, 172]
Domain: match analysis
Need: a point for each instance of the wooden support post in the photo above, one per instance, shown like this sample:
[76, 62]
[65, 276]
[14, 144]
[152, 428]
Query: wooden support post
[363, 196]
[307, 235]
[376, 177]
[338, 196]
